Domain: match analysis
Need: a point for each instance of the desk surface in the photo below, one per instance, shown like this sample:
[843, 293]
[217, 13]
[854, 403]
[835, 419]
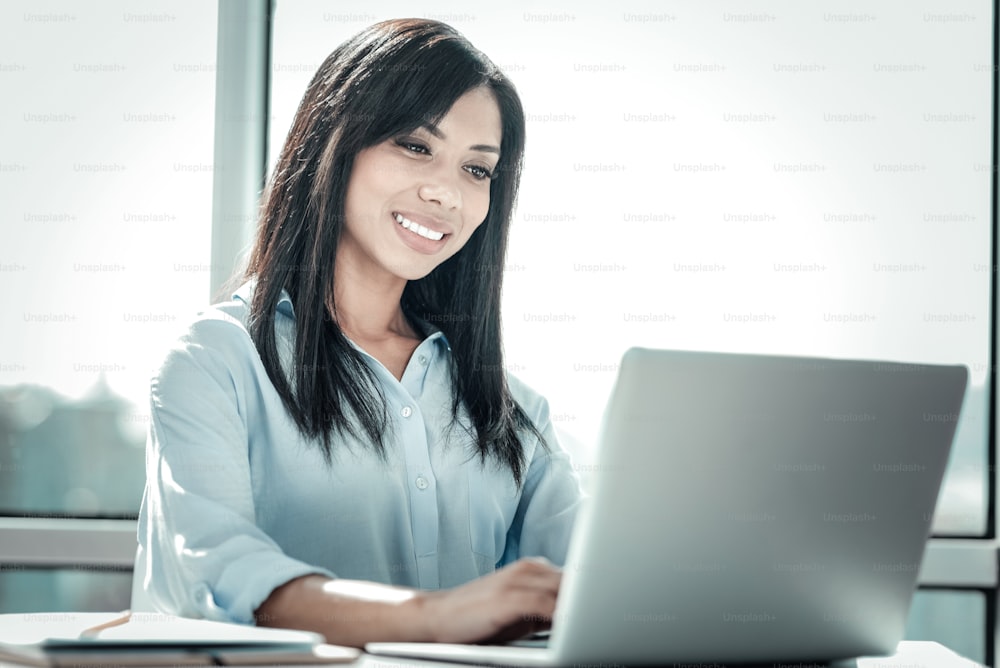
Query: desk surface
[33, 627]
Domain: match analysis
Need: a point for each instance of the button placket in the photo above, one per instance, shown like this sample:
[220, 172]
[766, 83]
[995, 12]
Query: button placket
[421, 486]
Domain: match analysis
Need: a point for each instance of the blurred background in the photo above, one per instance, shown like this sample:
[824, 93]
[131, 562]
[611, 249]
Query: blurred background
[760, 176]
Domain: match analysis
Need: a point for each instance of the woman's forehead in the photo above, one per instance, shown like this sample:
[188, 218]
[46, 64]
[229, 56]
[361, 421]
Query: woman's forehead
[475, 116]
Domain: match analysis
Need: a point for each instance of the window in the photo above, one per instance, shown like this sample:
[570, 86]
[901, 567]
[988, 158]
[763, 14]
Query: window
[106, 183]
[725, 178]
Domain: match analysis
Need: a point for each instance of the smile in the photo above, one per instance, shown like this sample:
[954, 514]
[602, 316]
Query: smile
[418, 229]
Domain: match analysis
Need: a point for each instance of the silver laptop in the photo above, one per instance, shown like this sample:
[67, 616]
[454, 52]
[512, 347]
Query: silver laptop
[748, 508]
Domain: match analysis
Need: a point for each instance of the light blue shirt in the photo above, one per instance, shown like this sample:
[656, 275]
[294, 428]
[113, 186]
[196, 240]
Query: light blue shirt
[237, 502]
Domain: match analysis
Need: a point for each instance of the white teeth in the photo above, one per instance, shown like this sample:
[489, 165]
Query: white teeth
[418, 229]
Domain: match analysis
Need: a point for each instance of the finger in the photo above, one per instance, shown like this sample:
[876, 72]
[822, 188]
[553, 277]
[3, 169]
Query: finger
[531, 568]
[524, 606]
[534, 573]
[517, 630]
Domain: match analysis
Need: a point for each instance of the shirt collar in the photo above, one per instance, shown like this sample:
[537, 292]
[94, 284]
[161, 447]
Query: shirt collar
[284, 307]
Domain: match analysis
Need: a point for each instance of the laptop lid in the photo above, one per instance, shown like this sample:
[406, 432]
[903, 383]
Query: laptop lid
[756, 508]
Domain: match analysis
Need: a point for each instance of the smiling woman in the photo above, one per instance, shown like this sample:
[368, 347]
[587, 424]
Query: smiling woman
[412, 203]
[338, 447]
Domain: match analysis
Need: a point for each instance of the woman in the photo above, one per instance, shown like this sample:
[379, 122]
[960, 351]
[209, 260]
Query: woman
[338, 448]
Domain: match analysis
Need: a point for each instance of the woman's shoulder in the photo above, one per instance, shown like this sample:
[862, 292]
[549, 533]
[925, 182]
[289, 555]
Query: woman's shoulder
[222, 321]
[230, 318]
[218, 334]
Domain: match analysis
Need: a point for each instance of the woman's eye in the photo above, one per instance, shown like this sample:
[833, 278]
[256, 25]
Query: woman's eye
[480, 173]
[412, 146]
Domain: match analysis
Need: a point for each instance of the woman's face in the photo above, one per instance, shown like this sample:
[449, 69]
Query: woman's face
[414, 200]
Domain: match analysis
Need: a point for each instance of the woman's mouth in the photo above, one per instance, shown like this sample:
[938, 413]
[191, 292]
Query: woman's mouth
[417, 229]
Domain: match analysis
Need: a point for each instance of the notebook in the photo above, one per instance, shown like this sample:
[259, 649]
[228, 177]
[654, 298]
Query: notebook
[748, 508]
[100, 640]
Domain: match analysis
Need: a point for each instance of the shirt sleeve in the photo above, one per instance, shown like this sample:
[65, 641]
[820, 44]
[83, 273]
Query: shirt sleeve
[204, 555]
[551, 494]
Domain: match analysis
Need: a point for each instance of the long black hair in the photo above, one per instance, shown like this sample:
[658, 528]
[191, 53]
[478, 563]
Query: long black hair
[391, 78]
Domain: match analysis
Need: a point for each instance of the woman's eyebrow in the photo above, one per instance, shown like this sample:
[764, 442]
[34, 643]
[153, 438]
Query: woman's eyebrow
[436, 131]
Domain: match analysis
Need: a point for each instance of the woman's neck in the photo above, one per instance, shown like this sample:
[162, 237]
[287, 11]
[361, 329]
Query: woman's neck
[369, 310]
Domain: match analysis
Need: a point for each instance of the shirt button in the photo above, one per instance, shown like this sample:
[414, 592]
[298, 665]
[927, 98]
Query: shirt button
[406, 411]
[422, 359]
[421, 482]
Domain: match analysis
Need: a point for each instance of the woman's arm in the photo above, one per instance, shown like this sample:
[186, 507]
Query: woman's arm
[205, 554]
[508, 603]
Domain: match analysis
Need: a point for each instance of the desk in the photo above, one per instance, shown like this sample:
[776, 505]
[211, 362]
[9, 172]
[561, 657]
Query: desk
[37, 626]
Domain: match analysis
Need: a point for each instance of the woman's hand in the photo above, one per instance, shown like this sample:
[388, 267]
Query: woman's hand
[509, 603]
